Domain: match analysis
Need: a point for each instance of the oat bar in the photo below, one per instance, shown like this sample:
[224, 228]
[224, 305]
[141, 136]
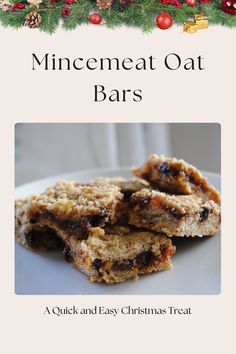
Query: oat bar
[69, 205]
[177, 177]
[174, 215]
[112, 254]
[118, 253]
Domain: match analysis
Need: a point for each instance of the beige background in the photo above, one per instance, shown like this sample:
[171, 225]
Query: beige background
[183, 95]
[180, 96]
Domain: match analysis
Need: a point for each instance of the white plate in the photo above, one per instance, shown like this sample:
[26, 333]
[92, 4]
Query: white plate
[196, 264]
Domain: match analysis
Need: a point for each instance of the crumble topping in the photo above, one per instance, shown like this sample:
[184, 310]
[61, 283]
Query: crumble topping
[72, 200]
[114, 229]
[176, 176]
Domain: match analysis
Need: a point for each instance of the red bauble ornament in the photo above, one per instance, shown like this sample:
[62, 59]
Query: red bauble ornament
[164, 21]
[191, 2]
[95, 18]
[229, 6]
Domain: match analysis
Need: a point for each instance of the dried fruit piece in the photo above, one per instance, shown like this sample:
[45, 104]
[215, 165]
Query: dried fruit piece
[177, 177]
[174, 215]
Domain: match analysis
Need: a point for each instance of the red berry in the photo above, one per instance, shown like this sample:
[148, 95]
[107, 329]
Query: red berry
[164, 21]
[20, 6]
[69, 2]
[66, 12]
[95, 18]
[171, 2]
[191, 2]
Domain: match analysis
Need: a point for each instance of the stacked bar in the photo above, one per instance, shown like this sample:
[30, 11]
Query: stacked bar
[114, 229]
[82, 219]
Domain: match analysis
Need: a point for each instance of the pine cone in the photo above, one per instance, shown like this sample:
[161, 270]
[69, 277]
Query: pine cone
[104, 4]
[33, 19]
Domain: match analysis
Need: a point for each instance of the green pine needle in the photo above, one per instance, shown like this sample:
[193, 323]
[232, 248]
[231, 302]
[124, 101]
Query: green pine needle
[141, 14]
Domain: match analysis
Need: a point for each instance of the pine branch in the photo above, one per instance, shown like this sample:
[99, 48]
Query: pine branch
[78, 15]
[13, 19]
[140, 13]
[50, 19]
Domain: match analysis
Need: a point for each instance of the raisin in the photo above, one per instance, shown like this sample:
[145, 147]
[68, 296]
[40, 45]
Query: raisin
[174, 212]
[80, 229]
[97, 264]
[124, 265]
[140, 201]
[95, 220]
[68, 254]
[204, 214]
[175, 173]
[85, 226]
[165, 170]
[191, 179]
[162, 249]
[144, 258]
[34, 218]
[144, 201]
[70, 225]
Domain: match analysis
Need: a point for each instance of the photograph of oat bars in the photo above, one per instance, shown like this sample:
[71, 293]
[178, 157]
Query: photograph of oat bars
[119, 230]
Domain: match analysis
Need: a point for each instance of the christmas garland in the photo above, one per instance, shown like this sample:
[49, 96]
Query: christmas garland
[145, 14]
